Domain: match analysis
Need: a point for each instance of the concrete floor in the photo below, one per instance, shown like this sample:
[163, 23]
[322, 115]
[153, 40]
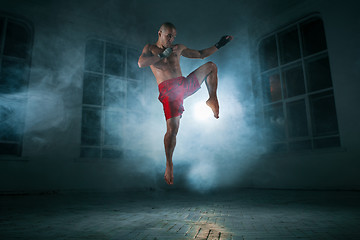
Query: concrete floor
[241, 214]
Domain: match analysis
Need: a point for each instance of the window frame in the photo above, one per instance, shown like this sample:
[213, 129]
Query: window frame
[126, 81]
[29, 28]
[280, 69]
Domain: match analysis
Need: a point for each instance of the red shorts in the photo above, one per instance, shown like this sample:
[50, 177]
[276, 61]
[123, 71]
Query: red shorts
[174, 91]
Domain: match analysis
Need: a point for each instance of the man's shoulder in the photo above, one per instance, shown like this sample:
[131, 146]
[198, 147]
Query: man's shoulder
[179, 45]
[151, 46]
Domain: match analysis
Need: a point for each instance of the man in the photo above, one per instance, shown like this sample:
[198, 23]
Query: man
[164, 60]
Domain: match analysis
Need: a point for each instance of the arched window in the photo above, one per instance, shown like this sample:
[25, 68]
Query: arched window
[16, 39]
[298, 98]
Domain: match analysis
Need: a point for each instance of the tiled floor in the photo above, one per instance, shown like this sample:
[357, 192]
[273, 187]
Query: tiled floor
[242, 214]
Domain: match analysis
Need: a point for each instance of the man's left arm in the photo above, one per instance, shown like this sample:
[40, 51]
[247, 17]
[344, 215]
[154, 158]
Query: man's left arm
[191, 53]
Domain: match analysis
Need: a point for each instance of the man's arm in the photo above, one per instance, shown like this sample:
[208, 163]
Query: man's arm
[147, 58]
[191, 53]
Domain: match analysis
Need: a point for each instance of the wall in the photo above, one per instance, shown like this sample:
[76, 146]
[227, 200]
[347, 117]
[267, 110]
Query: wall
[326, 168]
[51, 143]
[226, 153]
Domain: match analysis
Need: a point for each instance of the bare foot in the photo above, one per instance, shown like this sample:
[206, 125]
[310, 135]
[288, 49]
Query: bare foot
[169, 174]
[214, 105]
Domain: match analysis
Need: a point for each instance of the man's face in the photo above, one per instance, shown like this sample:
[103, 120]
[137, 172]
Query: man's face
[167, 37]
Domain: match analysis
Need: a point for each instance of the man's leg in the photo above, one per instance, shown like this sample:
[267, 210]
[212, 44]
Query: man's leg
[208, 72]
[172, 127]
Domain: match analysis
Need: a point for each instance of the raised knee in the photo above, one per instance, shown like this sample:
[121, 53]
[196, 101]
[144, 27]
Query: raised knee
[212, 65]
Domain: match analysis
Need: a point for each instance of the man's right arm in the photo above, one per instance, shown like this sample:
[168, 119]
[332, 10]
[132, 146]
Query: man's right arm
[147, 58]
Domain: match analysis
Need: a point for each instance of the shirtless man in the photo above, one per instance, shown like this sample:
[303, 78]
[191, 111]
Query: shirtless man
[164, 60]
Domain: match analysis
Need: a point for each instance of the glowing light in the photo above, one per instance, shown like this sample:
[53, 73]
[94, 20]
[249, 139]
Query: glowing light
[202, 111]
[203, 175]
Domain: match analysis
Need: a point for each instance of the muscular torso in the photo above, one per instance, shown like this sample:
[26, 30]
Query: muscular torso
[169, 67]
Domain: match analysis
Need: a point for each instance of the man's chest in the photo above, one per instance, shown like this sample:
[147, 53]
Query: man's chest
[173, 61]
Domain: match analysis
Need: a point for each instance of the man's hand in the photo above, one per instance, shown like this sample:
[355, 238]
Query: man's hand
[224, 40]
[165, 53]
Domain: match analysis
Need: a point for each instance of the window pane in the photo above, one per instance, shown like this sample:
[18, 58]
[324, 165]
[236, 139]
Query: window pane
[133, 70]
[91, 125]
[10, 132]
[112, 153]
[289, 45]
[313, 37]
[12, 77]
[17, 41]
[10, 149]
[91, 118]
[268, 54]
[115, 91]
[11, 124]
[323, 114]
[92, 89]
[318, 74]
[11, 119]
[90, 152]
[294, 82]
[94, 56]
[327, 142]
[115, 60]
[271, 88]
[296, 119]
[134, 95]
[274, 121]
[113, 128]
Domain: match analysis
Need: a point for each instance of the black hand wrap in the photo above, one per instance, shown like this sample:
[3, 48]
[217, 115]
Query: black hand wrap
[224, 40]
[165, 53]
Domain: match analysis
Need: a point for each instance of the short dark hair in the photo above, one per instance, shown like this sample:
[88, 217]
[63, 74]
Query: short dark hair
[167, 25]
